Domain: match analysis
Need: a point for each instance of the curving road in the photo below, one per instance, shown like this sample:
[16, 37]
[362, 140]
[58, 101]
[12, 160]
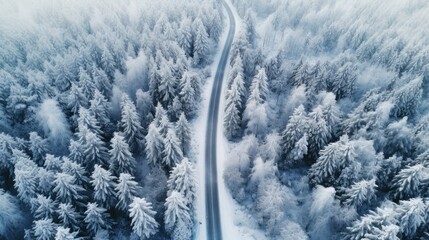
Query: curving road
[214, 230]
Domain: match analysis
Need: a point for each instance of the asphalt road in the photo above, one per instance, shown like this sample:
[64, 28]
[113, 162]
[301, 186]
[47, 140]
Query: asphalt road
[214, 229]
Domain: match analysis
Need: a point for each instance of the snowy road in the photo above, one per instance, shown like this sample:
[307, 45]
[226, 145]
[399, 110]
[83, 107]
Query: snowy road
[214, 230]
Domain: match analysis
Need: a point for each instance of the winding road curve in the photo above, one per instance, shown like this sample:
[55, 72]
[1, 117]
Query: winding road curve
[214, 230]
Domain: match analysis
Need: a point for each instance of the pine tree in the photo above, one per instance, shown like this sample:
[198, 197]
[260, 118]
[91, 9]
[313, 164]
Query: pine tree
[187, 94]
[86, 119]
[66, 189]
[68, 216]
[76, 170]
[45, 181]
[107, 62]
[86, 83]
[299, 151]
[143, 221]
[94, 150]
[25, 184]
[96, 218]
[52, 163]
[167, 84]
[216, 26]
[126, 190]
[183, 132]
[38, 147]
[344, 81]
[76, 151]
[44, 229]
[76, 99]
[99, 108]
[45, 207]
[201, 43]
[130, 122]
[412, 215]
[154, 145]
[360, 193]
[236, 70]
[104, 185]
[172, 149]
[65, 234]
[121, 159]
[176, 211]
[232, 120]
[185, 39]
[183, 179]
[260, 82]
[101, 81]
[318, 132]
[407, 182]
[295, 129]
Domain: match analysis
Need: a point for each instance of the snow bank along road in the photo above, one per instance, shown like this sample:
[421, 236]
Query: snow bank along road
[214, 231]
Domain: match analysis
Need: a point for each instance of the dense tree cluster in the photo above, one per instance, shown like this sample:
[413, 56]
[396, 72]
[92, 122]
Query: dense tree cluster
[95, 99]
[327, 115]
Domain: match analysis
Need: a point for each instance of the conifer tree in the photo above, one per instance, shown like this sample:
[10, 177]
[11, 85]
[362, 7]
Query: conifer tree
[66, 189]
[407, 182]
[76, 170]
[96, 218]
[126, 190]
[68, 216]
[65, 234]
[45, 207]
[142, 218]
[130, 122]
[38, 147]
[44, 229]
[121, 159]
[99, 108]
[103, 183]
[201, 43]
[185, 38]
[183, 180]
[176, 211]
[86, 83]
[154, 145]
[172, 149]
[360, 193]
[94, 150]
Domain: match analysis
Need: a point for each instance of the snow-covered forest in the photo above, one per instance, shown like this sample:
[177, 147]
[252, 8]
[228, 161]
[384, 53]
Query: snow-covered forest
[327, 118]
[96, 100]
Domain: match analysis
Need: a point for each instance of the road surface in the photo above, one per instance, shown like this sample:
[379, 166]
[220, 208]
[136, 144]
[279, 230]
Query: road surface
[214, 230]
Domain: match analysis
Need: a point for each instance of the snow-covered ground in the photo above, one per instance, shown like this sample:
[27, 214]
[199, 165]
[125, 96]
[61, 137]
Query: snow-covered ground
[236, 223]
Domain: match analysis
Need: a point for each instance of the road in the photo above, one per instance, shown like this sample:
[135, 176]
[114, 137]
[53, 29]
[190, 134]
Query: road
[214, 229]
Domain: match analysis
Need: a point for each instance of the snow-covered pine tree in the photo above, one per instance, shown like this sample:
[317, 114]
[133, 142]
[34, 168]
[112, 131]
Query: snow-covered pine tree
[52, 163]
[407, 97]
[167, 84]
[343, 83]
[45, 181]
[76, 99]
[407, 183]
[299, 151]
[86, 119]
[236, 70]
[126, 190]
[216, 26]
[232, 119]
[96, 218]
[44, 229]
[66, 190]
[130, 122]
[44, 207]
[86, 83]
[68, 216]
[260, 81]
[176, 211]
[185, 38]
[101, 80]
[154, 144]
[76, 150]
[172, 153]
[187, 94]
[65, 234]
[121, 159]
[183, 179]
[412, 215]
[38, 147]
[104, 185]
[99, 108]
[317, 132]
[142, 218]
[360, 193]
[76, 170]
[26, 184]
[201, 42]
[183, 132]
[295, 129]
[94, 150]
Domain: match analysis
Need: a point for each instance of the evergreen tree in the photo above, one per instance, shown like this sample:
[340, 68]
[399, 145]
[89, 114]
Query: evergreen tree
[45, 181]
[407, 97]
[176, 211]
[76, 99]
[86, 119]
[154, 145]
[408, 181]
[185, 38]
[412, 215]
[299, 151]
[65, 234]
[172, 149]
[121, 159]
[232, 120]
[52, 163]
[44, 229]
[201, 43]
[38, 147]
[45, 207]
[236, 70]
[260, 82]
[216, 26]
[295, 129]
[130, 122]
[76, 151]
[317, 133]
[86, 83]
[143, 221]
[103, 183]
[76, 170]
[187, 94]
[167, 84]
[99, 108]
[96, 218]
[360, 193]
[126, 190]
[68, 216]
[343, 83]
[183, 180]
[101, 81]
[25, 184]
[94, 150]
[66, 189]
[183, 132]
